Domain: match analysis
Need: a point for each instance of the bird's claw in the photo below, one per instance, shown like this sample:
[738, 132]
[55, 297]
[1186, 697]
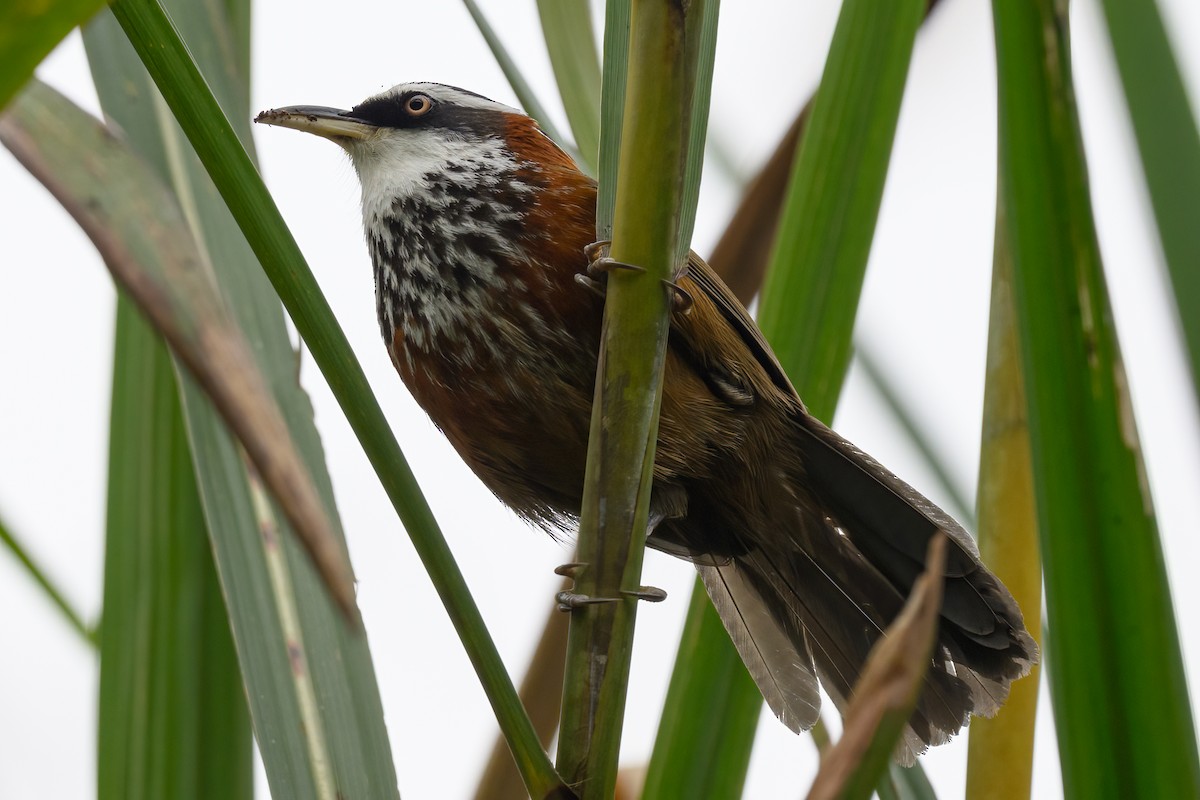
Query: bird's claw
[599, 262]
[591, 284]
[681, 299]
[595, 249]
[651, 594]
[569, 601]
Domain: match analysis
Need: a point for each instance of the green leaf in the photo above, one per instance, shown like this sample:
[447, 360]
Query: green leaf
[29, 30]
[1169, 144]
[541, 694]
[705, 45]
[904, 783]
[173, 718]
[617, 16]
[234, 176]
[567, 28]
[311, 685]
[811, 295]
[1125, 727]
[709, 684]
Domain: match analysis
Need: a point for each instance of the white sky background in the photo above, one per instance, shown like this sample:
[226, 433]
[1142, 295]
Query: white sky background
[924, 311]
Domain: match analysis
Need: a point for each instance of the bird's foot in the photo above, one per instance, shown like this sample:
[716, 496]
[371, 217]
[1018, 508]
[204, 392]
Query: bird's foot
[599, 265]
[569, 601]
[599, 262]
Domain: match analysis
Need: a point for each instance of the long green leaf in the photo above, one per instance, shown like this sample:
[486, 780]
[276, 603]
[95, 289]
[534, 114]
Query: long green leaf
[227, 163]
[816, 273]
[567, 27]
[692, 758]
[1124, 721]
[312, 690]
[1169, 144]
[173, 718]
[617, 16]
[541, 694]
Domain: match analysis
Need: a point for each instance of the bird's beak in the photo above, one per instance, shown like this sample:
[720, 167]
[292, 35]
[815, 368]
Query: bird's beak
[331, 123]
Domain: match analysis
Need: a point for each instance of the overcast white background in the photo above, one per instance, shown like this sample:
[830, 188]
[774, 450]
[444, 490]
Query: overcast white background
[924, 311]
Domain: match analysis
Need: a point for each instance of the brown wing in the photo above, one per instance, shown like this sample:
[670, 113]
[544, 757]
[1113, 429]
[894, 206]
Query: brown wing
[701, 275]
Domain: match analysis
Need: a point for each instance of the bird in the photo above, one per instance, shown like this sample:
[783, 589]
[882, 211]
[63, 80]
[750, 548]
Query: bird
[477, 224]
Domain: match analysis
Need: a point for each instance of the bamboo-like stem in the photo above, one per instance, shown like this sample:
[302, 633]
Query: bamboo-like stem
[624, 428]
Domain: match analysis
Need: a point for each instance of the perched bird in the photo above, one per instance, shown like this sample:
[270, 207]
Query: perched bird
[477, 223]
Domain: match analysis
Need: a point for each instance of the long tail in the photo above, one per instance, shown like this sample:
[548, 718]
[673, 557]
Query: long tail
[810, 598]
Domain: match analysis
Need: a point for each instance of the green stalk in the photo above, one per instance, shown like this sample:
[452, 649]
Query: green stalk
[1000, 753]
[1164, 124]
[209, 132]
[664, 51]
[1124, 721]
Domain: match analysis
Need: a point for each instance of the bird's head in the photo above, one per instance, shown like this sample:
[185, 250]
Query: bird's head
[463, 198]
[414, 134]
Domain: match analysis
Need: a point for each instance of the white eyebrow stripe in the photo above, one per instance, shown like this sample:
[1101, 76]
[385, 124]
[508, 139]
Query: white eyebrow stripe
[446, 94]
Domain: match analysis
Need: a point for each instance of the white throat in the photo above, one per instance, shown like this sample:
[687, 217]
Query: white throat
[438, 213]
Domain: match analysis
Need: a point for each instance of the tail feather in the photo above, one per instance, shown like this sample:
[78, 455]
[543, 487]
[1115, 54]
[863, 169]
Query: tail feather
[891, 524]
[807, 580]
[828, 631]
[781, 667]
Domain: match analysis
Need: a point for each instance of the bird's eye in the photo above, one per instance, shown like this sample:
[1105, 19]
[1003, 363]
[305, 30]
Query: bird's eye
[418, 105]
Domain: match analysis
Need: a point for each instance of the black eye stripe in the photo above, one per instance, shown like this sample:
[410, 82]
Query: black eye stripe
[397, 111]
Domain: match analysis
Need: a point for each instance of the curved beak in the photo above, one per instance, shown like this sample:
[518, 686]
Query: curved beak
[331, 123]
